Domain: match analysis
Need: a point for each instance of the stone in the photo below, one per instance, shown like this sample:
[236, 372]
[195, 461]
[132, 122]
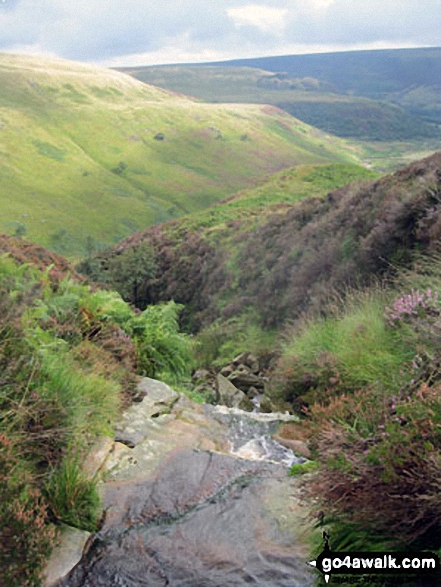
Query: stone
[245, 379]
[298, 447]
[246, 404]
[66, 555]
[136, 422]
[252, 392]
[201, 374]
[268, 405]
[242, 358]
[227, 370]
[253, 363]
[228, 394]
[97, 456]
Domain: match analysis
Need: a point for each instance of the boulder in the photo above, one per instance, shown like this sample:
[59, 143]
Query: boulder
[269, 405]
[97, 456]
[247, 359]
[252, 392]
[242, 358]
[201, 374]
[253, 363]
[66, 555]
[227, 370]
[298, 447]
[137, 420]
[228, 394]
[244, 379]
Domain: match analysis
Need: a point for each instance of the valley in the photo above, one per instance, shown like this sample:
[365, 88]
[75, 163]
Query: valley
[385, 103]
[220, 317]
[89, 155]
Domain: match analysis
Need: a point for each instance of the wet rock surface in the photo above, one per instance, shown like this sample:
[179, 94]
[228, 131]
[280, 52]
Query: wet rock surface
[186, 508]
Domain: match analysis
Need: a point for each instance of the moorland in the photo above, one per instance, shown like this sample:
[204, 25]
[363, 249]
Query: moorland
[198, 231]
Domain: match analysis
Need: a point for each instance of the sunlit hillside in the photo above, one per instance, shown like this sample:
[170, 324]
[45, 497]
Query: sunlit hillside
[89, 155]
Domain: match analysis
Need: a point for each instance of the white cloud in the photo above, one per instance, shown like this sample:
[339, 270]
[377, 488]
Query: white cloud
[172, 31]
[320, 5]
[265, 18]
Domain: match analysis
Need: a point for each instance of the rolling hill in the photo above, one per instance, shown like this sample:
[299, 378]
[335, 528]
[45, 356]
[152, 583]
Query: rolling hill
[388, 102]
[89, 155]
[410, 78]
[314, 100]
[374, 74]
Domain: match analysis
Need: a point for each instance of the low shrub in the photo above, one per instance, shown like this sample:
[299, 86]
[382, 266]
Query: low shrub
[162, 350]
[68, 361]
[219, 343]
[25, 537]
[384, 439]
[370, 445]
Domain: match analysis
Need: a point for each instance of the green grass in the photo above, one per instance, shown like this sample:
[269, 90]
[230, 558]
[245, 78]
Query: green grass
[79, 161]
[72, 497]
[272, 195]
[359, 346]
[69, 357]
[303, 468]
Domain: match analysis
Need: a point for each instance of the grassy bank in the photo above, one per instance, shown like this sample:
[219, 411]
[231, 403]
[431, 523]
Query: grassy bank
[69, 358]
[105, 155]
[367, 381]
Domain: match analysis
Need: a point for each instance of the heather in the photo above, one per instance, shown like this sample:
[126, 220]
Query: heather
[69, 358]
[366, 381]
[276, 259]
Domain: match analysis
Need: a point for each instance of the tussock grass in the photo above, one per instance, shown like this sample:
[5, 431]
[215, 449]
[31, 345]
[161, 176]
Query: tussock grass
[364, 350]
[73, 499]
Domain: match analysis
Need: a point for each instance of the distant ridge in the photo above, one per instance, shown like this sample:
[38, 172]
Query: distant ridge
[370, 73]
[391, 95]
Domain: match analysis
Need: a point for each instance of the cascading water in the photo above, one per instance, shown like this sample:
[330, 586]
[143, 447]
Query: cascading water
[203, 499]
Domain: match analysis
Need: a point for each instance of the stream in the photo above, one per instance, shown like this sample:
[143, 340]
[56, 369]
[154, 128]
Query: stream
[196, 496]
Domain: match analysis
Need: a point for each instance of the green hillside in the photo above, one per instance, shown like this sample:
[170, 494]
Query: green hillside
[271, 253]
[89, 155]
[203, 260]
[305, 95]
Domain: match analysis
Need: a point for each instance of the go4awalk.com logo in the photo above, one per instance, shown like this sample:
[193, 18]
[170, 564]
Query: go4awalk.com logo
[374, 563]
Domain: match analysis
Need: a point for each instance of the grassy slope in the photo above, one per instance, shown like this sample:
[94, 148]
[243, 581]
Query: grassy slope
[69, 357]
[66, 126]
[392, 127]
[273, 253]
[198, 255]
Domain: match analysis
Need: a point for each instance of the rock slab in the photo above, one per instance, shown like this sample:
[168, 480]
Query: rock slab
[66, 555]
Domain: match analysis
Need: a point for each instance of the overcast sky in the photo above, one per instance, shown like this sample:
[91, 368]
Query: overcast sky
[148, 32]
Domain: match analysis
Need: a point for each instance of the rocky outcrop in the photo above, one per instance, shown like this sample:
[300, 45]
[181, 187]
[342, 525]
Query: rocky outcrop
[204, 494]
[158, 400]
[228, 395]
[137, 422]
[238, 383]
